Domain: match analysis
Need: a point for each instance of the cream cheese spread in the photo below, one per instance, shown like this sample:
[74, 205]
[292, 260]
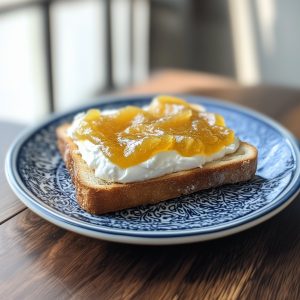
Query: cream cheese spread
[161, 164]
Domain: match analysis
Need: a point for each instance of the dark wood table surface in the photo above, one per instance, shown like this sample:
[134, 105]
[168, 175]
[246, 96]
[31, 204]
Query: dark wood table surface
[39, 260]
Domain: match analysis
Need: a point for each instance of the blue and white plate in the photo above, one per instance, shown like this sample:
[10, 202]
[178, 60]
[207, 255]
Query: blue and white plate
[38, 176]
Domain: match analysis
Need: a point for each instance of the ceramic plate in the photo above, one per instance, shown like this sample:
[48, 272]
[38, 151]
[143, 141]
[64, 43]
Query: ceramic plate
[39, 177]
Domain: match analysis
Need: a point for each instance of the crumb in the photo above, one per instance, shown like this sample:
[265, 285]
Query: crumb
[189, 189]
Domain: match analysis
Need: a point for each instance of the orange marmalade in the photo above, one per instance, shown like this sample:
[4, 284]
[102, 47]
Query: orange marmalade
[132, 134]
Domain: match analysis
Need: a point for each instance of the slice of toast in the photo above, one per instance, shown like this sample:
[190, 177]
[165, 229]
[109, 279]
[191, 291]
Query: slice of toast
[98, 197]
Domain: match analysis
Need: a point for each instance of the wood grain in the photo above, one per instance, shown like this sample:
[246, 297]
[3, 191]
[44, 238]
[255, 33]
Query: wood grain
[179, 81]
[39, 260]
[9, 204]
[42, 260]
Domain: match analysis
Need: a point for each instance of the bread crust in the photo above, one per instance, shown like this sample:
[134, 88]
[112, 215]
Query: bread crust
[98, 197]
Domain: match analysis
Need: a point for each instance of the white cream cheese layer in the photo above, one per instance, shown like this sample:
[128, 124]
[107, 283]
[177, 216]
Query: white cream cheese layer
[161, 164]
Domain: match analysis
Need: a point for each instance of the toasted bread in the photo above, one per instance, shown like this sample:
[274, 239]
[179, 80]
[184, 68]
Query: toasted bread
[98, 197]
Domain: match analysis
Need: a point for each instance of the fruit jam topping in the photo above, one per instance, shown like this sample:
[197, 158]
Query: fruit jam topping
[132, 135]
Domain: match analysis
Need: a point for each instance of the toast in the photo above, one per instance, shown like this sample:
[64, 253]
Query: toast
[97, 196]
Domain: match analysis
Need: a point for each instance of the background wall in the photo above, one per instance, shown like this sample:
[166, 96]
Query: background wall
[192, 35]
[253, 41]
[277, 33]
[79, 53]
[266, 38]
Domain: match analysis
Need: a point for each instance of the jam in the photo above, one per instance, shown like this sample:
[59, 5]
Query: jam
[132, 135]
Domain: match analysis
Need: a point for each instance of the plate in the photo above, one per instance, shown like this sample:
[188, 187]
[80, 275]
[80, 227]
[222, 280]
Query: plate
[38, 176]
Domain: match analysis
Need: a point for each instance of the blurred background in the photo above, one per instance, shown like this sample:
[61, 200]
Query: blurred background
[59, 54]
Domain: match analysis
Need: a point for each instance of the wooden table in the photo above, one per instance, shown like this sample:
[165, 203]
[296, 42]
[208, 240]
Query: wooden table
[39, 260]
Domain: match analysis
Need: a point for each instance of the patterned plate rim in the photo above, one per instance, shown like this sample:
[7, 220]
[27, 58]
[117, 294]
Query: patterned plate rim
[62, 220]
